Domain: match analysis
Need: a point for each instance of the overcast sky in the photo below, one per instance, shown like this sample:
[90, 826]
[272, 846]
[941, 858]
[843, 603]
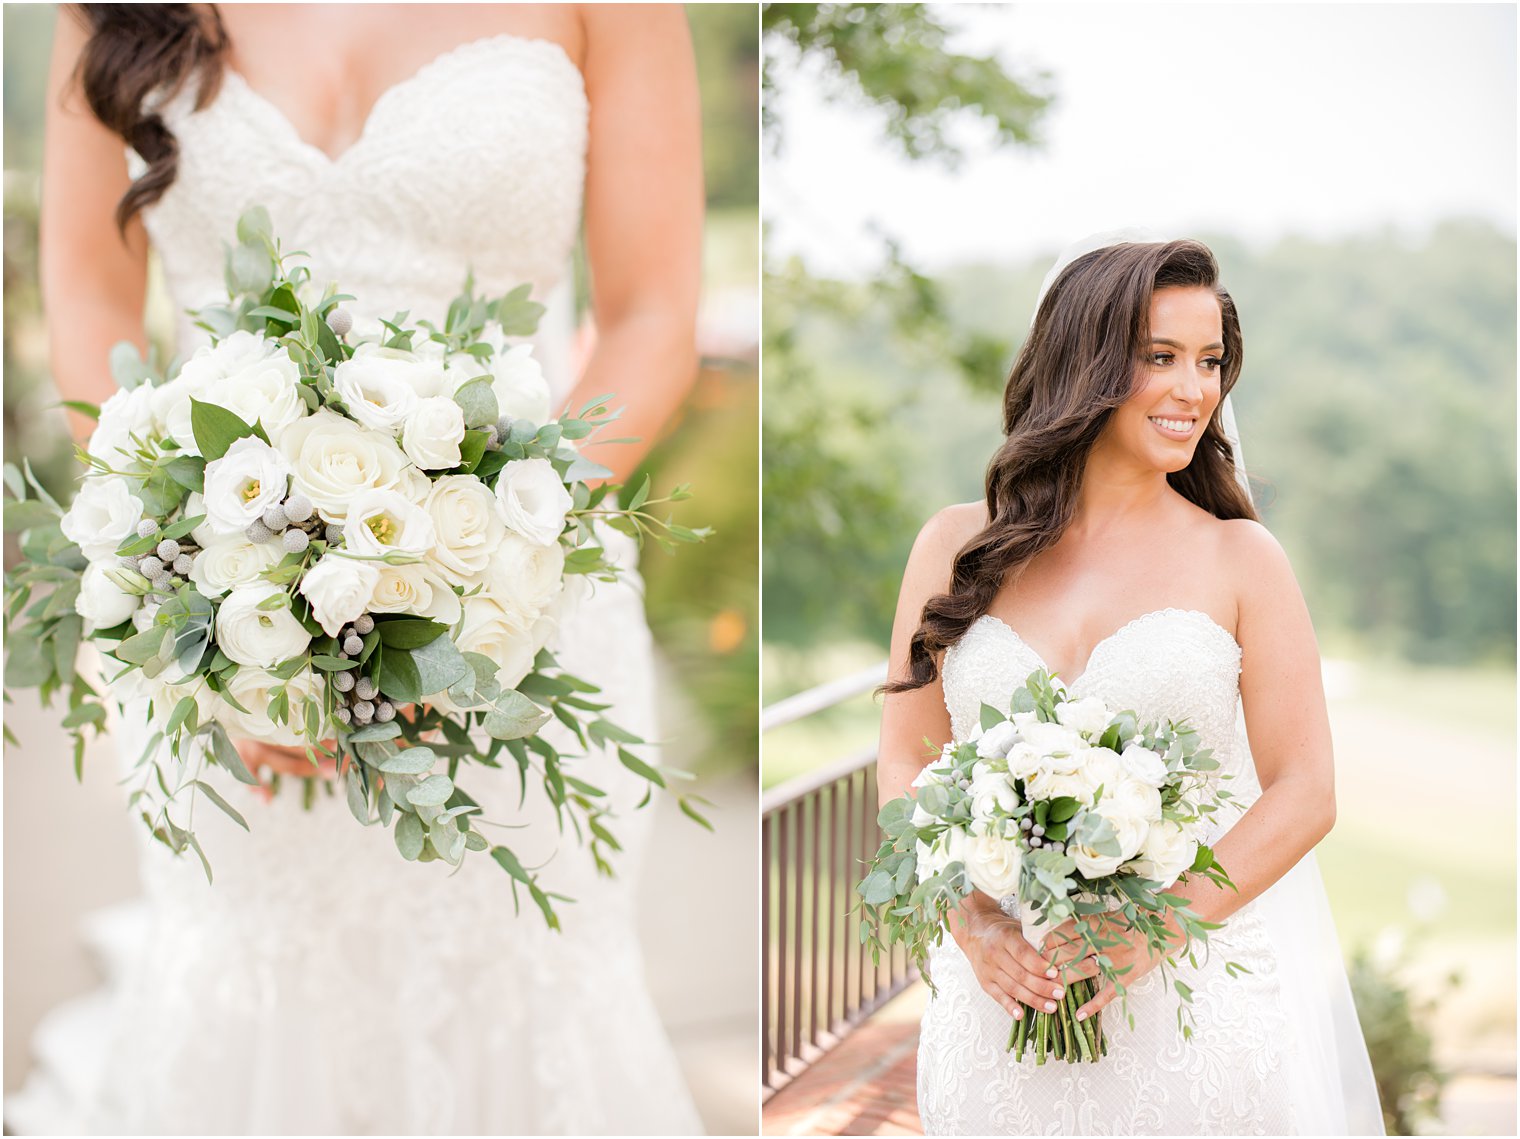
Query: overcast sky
[1252, 119]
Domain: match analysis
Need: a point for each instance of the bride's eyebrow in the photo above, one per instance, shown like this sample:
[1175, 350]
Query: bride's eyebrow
[1214, 347]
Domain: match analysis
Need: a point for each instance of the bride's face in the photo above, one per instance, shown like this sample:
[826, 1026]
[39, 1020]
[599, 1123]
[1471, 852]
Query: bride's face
[1176, 384]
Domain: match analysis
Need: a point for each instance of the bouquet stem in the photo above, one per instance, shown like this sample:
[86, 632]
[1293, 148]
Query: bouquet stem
[1060, 1035]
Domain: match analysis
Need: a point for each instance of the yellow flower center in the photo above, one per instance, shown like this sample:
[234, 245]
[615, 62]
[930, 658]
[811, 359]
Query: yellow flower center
[383, 528]
[251, 490]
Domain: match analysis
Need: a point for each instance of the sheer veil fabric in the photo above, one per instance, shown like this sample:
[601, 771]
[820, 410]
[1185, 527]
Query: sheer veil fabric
[1279, 1051]
[323, 985]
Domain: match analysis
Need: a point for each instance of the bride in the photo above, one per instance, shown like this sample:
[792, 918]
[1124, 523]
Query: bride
[323, 985]
[1117, 548]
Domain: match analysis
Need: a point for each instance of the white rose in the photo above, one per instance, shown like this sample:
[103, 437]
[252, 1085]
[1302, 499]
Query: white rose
[339, 590]
[254, 688]
[1047, 784]
[533, 499]
[245, 482]
[102, 516]
[433, 432]
[932, 772]
[414, 589]
[211, 363]
[261, 637]
[1091, 863]
[468, 526]
[992, 864]
[1130, 807]
[524, 575]
[1145, 765]
[492, 631]
[991, 791]
[333, 459]
[383, 521]
[1168, 850]
[1088, 715]
[518, 380]
[226, 562]
[102, 602]
[125, 414]
[949, 847]
[1060, 745]
[265, 391]
[995, 742]
[1024, 762]
[381, 386]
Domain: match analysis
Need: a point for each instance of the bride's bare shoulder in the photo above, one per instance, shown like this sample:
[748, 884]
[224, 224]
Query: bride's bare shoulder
[942, 538]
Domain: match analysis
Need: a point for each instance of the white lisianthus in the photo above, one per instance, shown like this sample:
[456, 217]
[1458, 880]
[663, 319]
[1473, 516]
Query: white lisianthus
[533, 499]
[102, 602]
[1145, 765]
[339, 590]
[991, 791]
[525, 575]
[254, 688]
[245, 482]
[260, 637]
[433, 432]
[125, 414]
[333, 459]
[226, 562]
[1088, 715]
[992, 864]
[414, 589]
[996, 741]
[102, 516]
[1168, 850]
[518, 381]
[949, 847]
[468, 526]
[383, 521]
[381, 386]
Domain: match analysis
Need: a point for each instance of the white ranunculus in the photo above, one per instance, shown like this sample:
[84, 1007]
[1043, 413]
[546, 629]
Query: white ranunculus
[381, 386]
[333, 460]
[166, 696]
[996, 741]
[226, 562]
[1088, 715]
[992, 864]
[991, 791]
[414, 589]
[518, 380]
[103, 515]
[339, 590]
[432, 434]
[524, 575]
[125, 414]
[254, 688]
[468, 526]
[1145, 765]
[1168, 850]
[949, 847]
[245, 482]
[102, 602]
[533, 499]
[260, 637]
[384, 521]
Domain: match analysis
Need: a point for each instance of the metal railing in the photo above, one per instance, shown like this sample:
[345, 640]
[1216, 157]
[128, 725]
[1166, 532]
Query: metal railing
[818, 981]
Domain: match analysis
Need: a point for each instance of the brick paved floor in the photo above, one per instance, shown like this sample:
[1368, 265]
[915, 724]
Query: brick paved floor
[866, 1086]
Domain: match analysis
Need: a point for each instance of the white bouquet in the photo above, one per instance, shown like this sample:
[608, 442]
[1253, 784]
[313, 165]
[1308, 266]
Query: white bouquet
[1058, 809]
[359, 547]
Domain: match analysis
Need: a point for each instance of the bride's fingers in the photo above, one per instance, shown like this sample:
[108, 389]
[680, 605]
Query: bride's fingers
[1104, 995]
[1012, 991]
[1029, 959]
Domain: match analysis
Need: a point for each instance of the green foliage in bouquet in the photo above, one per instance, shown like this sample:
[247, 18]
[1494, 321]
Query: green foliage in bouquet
[908, 901]
[399, 766]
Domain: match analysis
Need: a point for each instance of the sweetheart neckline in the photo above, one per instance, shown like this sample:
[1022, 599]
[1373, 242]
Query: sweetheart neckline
[1122, 629]
[366, 129]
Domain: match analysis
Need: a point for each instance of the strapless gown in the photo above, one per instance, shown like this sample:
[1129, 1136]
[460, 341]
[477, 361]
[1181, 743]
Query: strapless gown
[1276, 1051]
[323, 985]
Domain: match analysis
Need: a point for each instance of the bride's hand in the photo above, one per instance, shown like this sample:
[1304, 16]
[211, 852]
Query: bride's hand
[1006, 965]
[1133, 950]
[285, 760]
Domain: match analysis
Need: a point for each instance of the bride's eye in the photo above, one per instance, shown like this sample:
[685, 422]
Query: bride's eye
[1213, 363]
[1161, 358]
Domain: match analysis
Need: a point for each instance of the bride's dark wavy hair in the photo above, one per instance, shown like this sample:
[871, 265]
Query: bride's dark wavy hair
[132, 49]
[1078, 364]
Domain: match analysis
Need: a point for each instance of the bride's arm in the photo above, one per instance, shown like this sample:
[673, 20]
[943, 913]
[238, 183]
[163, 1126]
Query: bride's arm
[1288, 727]
[93, 282]
[644, 204]
[914, 725]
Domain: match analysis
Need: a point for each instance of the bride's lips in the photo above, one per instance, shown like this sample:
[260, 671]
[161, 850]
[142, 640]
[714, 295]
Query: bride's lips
[1168, 426]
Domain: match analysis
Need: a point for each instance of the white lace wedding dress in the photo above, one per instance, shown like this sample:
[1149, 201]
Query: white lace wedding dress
[1276, 1051]
[324, 985]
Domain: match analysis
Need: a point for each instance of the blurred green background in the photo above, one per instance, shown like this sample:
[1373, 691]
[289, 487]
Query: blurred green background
[1377, 406]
